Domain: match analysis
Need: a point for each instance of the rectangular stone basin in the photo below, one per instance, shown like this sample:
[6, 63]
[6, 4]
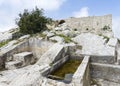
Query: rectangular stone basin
[64, 69]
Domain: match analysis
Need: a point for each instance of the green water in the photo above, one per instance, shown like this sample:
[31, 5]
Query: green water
[68, 68]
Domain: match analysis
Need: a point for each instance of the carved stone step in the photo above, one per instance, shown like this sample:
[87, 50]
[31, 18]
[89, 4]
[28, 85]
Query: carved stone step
[26, 57]
[13, 64]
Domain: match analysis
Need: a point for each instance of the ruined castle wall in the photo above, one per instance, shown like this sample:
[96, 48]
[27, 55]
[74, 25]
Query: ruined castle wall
[91, 24]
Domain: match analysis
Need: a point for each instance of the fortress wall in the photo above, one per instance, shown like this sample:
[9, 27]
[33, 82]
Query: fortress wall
[90, 24]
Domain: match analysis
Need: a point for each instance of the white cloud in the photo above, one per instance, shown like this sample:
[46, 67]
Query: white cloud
[116, 26]
[11, 8]
[83, 12]
[45, 4]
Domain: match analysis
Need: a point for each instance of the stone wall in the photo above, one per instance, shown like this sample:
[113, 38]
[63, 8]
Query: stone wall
[105, 71]
[103, 59]
[82, 77]
[91, 24]
[38, 47]
[55, 66]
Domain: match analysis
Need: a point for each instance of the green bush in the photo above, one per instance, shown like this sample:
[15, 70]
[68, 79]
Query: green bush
[4, 43]
[119, 41]
[107, 38]
[61, 21]
[106, 27]
[32, 22]
[66, 38]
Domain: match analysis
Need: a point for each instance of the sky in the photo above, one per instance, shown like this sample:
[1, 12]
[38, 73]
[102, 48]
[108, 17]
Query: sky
[60, 9]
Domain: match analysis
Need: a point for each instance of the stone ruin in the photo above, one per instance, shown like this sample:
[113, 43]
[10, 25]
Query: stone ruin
[30, 61]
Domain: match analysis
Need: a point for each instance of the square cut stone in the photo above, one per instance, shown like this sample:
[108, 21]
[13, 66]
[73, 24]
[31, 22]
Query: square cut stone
[25, 57]
[13, 65]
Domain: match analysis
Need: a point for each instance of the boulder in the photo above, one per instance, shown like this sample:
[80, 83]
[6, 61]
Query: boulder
[24, 37]
[93, 45]
[50, 34]
[58, 29]
[57, 39]
[112, 42]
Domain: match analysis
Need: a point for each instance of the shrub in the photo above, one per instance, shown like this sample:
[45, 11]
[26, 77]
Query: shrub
[119, 41]
[16, 35]
[61, 21]
[32, 22]
[66, 38]
[106, 27]
[4, 43]
[107, 38]
[75, 29]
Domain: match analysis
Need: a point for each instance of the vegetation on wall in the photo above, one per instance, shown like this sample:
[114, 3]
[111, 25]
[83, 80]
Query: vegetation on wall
[107, 38]
[31, 22]
[119, 41]
[106, 27]
[4, 43]
[66, 38]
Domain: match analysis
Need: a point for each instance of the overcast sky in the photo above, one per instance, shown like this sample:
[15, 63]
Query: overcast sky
[58, 9]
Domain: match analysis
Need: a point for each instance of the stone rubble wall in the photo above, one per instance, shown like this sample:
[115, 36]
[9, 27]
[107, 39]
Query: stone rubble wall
[91, 24]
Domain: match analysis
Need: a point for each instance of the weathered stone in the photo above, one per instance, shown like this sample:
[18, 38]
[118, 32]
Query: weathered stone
[57, 38]
[53, 54]
[24, 37]
[50, 35]
[81, 76]
[61, 84]
[13, 65]
[96, 47]
[26, 57]
[10, 44]
[68, 78]
[108, 72]
[5, 36]
[112, 42]
[58, 29]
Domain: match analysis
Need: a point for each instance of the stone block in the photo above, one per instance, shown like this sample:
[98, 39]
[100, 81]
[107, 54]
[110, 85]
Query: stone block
[13, 65]
[54, 54]
[112, 42]
[26, 57]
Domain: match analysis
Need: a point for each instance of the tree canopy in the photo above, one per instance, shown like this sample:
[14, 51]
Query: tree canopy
[31, 22]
